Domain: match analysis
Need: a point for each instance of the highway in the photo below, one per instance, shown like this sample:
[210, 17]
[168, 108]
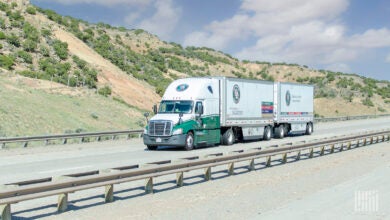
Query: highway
[324, 187]
[39, 162]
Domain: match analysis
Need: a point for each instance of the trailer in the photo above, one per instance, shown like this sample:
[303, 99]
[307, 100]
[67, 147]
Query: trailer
[208, 111]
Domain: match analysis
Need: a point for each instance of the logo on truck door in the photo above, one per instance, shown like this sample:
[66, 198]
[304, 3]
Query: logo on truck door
[236, 94]
[288, 98]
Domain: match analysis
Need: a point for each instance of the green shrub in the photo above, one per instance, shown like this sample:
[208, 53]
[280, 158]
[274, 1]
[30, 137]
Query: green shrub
[6, 61]
[61, 49]
[44, 51]
[29, 45]
[2, 35]
[4, 6]
[31, 10]
[14, 40]
[105, 91]
[367, 101]
[27, 58]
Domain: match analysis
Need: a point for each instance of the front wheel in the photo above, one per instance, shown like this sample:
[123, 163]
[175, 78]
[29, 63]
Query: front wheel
[189, 145]
[228, 137]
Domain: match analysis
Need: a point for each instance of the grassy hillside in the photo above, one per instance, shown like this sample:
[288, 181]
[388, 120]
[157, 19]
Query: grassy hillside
[35, 107]
[104, 64]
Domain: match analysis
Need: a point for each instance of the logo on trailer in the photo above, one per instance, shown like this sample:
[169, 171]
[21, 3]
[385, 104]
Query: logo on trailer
[181, 87]
[236, 94]
[288, 98]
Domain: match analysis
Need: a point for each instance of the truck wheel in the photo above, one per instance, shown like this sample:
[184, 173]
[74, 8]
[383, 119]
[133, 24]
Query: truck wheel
[279, 131]
[309, 128]
[189, 145]
[267, 133]
[228, 137]
[151, 147]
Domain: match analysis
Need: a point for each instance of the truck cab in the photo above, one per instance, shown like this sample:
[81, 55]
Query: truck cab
[187, 115]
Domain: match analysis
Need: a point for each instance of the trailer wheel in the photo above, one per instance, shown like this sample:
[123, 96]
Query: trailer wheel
[267, 133]
[228, 137]
[279, 132]
[189, 144]
[151, 147]
[309, 128]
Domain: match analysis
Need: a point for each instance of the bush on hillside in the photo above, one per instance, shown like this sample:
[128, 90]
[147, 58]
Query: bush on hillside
[105, 91]
[6, 61]
[61, 49]
[31, 10]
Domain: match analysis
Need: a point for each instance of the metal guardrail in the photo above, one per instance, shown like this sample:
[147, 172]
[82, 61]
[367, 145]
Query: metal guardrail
[347, 118]
[34, 189]
[66, 137]
[113, 134]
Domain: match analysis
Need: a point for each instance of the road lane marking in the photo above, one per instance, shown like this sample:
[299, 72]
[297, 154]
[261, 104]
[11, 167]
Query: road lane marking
[65, 169]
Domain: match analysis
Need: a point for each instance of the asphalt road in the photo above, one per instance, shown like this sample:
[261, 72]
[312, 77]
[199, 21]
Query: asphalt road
[40, 162]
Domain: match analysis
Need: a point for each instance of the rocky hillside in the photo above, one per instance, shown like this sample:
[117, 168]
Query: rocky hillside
[134, 67]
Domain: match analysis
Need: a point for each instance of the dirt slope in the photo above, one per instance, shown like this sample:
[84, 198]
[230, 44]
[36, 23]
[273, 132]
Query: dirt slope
[128, 88]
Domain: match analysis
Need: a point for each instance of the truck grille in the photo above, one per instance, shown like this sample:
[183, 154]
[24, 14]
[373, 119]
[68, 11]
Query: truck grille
[160, 128]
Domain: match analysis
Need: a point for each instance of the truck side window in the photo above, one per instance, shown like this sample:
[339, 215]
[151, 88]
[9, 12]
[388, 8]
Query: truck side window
[197, 107]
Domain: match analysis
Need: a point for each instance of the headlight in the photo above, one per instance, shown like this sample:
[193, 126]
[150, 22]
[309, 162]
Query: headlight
[178, 131]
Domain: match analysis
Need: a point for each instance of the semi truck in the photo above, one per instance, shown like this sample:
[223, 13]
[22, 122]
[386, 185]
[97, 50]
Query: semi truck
[207, 111]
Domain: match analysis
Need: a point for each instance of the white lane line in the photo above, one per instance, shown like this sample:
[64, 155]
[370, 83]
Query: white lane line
[65, 169]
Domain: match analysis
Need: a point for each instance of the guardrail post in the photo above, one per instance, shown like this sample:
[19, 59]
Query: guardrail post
[47, 142]
[64, 141]
[342, 147]
[149, 185]
[62, 205]
[2, 145]
[268, 162]
[231, 169]
[5, 212]
[371, 140]
[179, 179]
[98, 138]
[113, 137]
[251, 165]
[207, 173]
[311, 153]
[349, 145]
[322, 151]
[332, 148]
[25, 144]
[109, 193]
[81, 140]
[284, 158]
[298, 155]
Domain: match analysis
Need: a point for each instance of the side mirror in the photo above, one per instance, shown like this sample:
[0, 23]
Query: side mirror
[180, 116]
[146, 115]
[155, 109]
[200, 110]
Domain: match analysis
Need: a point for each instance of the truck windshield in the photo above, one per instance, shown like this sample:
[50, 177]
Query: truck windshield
[184, 107]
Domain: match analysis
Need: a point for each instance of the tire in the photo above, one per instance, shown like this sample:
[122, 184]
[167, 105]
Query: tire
[151, 147]
[267, 133]
[309, 128]
[189, 144]
[279, 132]
[228, 137]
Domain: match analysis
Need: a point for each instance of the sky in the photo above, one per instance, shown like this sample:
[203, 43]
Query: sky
[350, 36]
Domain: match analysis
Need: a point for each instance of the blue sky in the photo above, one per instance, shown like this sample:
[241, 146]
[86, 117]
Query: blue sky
[339, 35]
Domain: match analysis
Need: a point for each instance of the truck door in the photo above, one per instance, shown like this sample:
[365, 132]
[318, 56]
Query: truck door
[200, 133]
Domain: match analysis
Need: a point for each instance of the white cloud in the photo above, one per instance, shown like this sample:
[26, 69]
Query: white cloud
[101, 2]
[164, 21]
[296, 31]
